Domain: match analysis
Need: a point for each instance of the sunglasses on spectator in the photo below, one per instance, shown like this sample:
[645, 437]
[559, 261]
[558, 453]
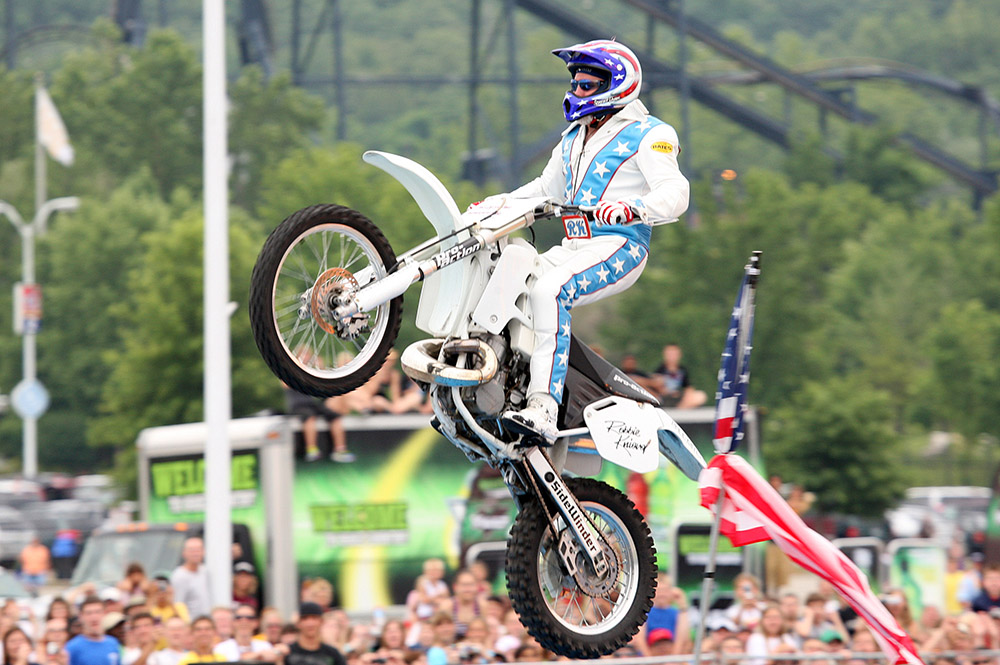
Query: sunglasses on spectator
[586, 85]
[245, 616]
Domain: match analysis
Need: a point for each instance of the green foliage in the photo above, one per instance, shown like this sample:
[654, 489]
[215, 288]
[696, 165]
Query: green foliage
[156, 375]
[965, 344]
[270, 119]
[692, 276]
[128, 108]
[889, 172]
[837, 437]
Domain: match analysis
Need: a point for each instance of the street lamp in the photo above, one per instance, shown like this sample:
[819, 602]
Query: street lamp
[29, 397]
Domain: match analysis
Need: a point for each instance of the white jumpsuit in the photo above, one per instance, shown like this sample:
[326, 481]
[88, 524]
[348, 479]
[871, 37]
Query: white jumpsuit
[631, 158]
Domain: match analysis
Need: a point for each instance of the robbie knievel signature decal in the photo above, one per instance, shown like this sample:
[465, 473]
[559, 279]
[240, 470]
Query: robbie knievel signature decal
[629, 436]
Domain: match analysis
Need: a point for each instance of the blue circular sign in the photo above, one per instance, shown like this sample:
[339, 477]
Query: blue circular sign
[30, 399]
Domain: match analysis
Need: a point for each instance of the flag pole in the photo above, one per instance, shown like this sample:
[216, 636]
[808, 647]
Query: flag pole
[708, 580]
[40, 172]
[734, 378]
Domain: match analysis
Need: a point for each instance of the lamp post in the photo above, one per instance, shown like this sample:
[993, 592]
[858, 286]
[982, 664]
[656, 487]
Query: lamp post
[29, 398]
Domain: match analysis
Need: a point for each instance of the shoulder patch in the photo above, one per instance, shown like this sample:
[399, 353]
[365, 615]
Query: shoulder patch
[662, 146]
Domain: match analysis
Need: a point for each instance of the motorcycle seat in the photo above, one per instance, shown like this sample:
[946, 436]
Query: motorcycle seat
[600, 371]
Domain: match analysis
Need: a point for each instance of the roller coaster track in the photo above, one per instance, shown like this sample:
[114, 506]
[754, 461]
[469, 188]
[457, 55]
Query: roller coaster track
[702, 91]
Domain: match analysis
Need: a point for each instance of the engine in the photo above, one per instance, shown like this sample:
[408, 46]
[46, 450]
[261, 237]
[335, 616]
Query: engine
[490, 398]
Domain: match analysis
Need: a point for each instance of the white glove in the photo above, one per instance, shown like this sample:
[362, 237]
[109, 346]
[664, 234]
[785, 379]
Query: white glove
[613, 212]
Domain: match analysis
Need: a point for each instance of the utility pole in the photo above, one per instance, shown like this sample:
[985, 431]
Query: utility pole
[29, 397]
[217, 386]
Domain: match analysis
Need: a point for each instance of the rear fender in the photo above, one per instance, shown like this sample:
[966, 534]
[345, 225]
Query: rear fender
[677, 447]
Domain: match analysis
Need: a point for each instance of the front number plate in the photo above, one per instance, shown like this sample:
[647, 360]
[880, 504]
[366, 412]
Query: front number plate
[576, 226]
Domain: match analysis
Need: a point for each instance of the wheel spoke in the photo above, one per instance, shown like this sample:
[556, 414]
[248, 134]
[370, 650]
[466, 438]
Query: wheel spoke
[581, 611]
[314, 253]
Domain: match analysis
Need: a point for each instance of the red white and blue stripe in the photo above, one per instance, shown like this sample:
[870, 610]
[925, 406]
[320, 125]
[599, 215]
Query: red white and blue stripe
[601, 275]
[734, 374]
[602, 169]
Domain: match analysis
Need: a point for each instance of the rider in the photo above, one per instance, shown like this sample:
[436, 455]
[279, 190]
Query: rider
[614, 156]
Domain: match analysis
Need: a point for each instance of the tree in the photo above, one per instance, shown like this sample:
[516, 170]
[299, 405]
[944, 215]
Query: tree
[836, 439]
[269, 120]
[87, 261]
[964, 346]
[127, 108]
[156, 374]
[687, 290]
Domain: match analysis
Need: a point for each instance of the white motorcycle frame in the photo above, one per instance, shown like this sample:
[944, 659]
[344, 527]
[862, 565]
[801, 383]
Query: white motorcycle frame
[624, 431]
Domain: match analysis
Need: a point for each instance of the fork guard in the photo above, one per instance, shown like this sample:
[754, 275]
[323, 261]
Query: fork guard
[421, 362]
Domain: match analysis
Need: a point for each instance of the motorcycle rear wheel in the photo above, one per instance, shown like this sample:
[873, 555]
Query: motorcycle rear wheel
[312, 257]
[551, 605]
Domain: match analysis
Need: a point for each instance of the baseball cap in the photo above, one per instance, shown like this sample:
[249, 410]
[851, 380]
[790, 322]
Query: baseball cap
[244, 567]
[310, 610]
[111, 594]
[830, 635]
[721, 622]
[658, 635]
[111, 619]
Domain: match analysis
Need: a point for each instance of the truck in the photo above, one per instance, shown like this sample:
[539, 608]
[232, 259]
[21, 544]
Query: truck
[369, 525]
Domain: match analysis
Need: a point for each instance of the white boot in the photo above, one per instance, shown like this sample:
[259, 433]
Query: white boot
[539, 417]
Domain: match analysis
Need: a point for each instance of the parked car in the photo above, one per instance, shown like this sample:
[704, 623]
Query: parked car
[50, 517]
[15, 533]
[19, 491]
[96, 487]
[940, 512]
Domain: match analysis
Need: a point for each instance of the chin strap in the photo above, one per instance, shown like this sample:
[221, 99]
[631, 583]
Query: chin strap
[598, 119]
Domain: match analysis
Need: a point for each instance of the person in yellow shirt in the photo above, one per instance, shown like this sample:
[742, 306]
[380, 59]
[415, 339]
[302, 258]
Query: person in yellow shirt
[162, 606]
[203, 643]
[161, 601]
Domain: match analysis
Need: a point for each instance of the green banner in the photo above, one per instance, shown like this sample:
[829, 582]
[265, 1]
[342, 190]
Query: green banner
[369, 525]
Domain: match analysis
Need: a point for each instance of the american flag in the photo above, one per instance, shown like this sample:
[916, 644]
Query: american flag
[752, 511]
[734, 374]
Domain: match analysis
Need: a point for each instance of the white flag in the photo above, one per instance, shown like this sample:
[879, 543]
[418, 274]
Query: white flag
[50, 128]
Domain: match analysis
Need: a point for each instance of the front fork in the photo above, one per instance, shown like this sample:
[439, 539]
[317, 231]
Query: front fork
[583, 534]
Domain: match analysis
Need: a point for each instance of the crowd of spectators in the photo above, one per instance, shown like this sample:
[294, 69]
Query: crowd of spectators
[389, 391]
[141, 621]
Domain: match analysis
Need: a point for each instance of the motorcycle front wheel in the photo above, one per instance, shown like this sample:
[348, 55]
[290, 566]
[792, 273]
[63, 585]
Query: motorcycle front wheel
[565, 618]
[312, 261]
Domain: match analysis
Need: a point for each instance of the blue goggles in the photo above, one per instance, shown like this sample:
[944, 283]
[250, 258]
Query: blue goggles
[585, 86]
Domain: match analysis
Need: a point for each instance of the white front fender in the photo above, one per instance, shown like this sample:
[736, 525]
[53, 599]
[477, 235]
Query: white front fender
[433, 198]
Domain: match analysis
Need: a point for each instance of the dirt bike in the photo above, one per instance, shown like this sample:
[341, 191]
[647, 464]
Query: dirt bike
[326, 303]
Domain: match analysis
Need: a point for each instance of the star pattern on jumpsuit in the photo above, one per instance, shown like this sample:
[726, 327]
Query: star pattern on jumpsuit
[587, 196]
[566, 329]
[584, 282]
[601, 169]
[618, 265]
[634, 251]
[603, 273]
[621, 147]
[563, 358]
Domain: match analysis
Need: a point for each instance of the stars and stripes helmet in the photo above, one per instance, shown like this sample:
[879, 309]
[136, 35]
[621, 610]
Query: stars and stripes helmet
[617, 66]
